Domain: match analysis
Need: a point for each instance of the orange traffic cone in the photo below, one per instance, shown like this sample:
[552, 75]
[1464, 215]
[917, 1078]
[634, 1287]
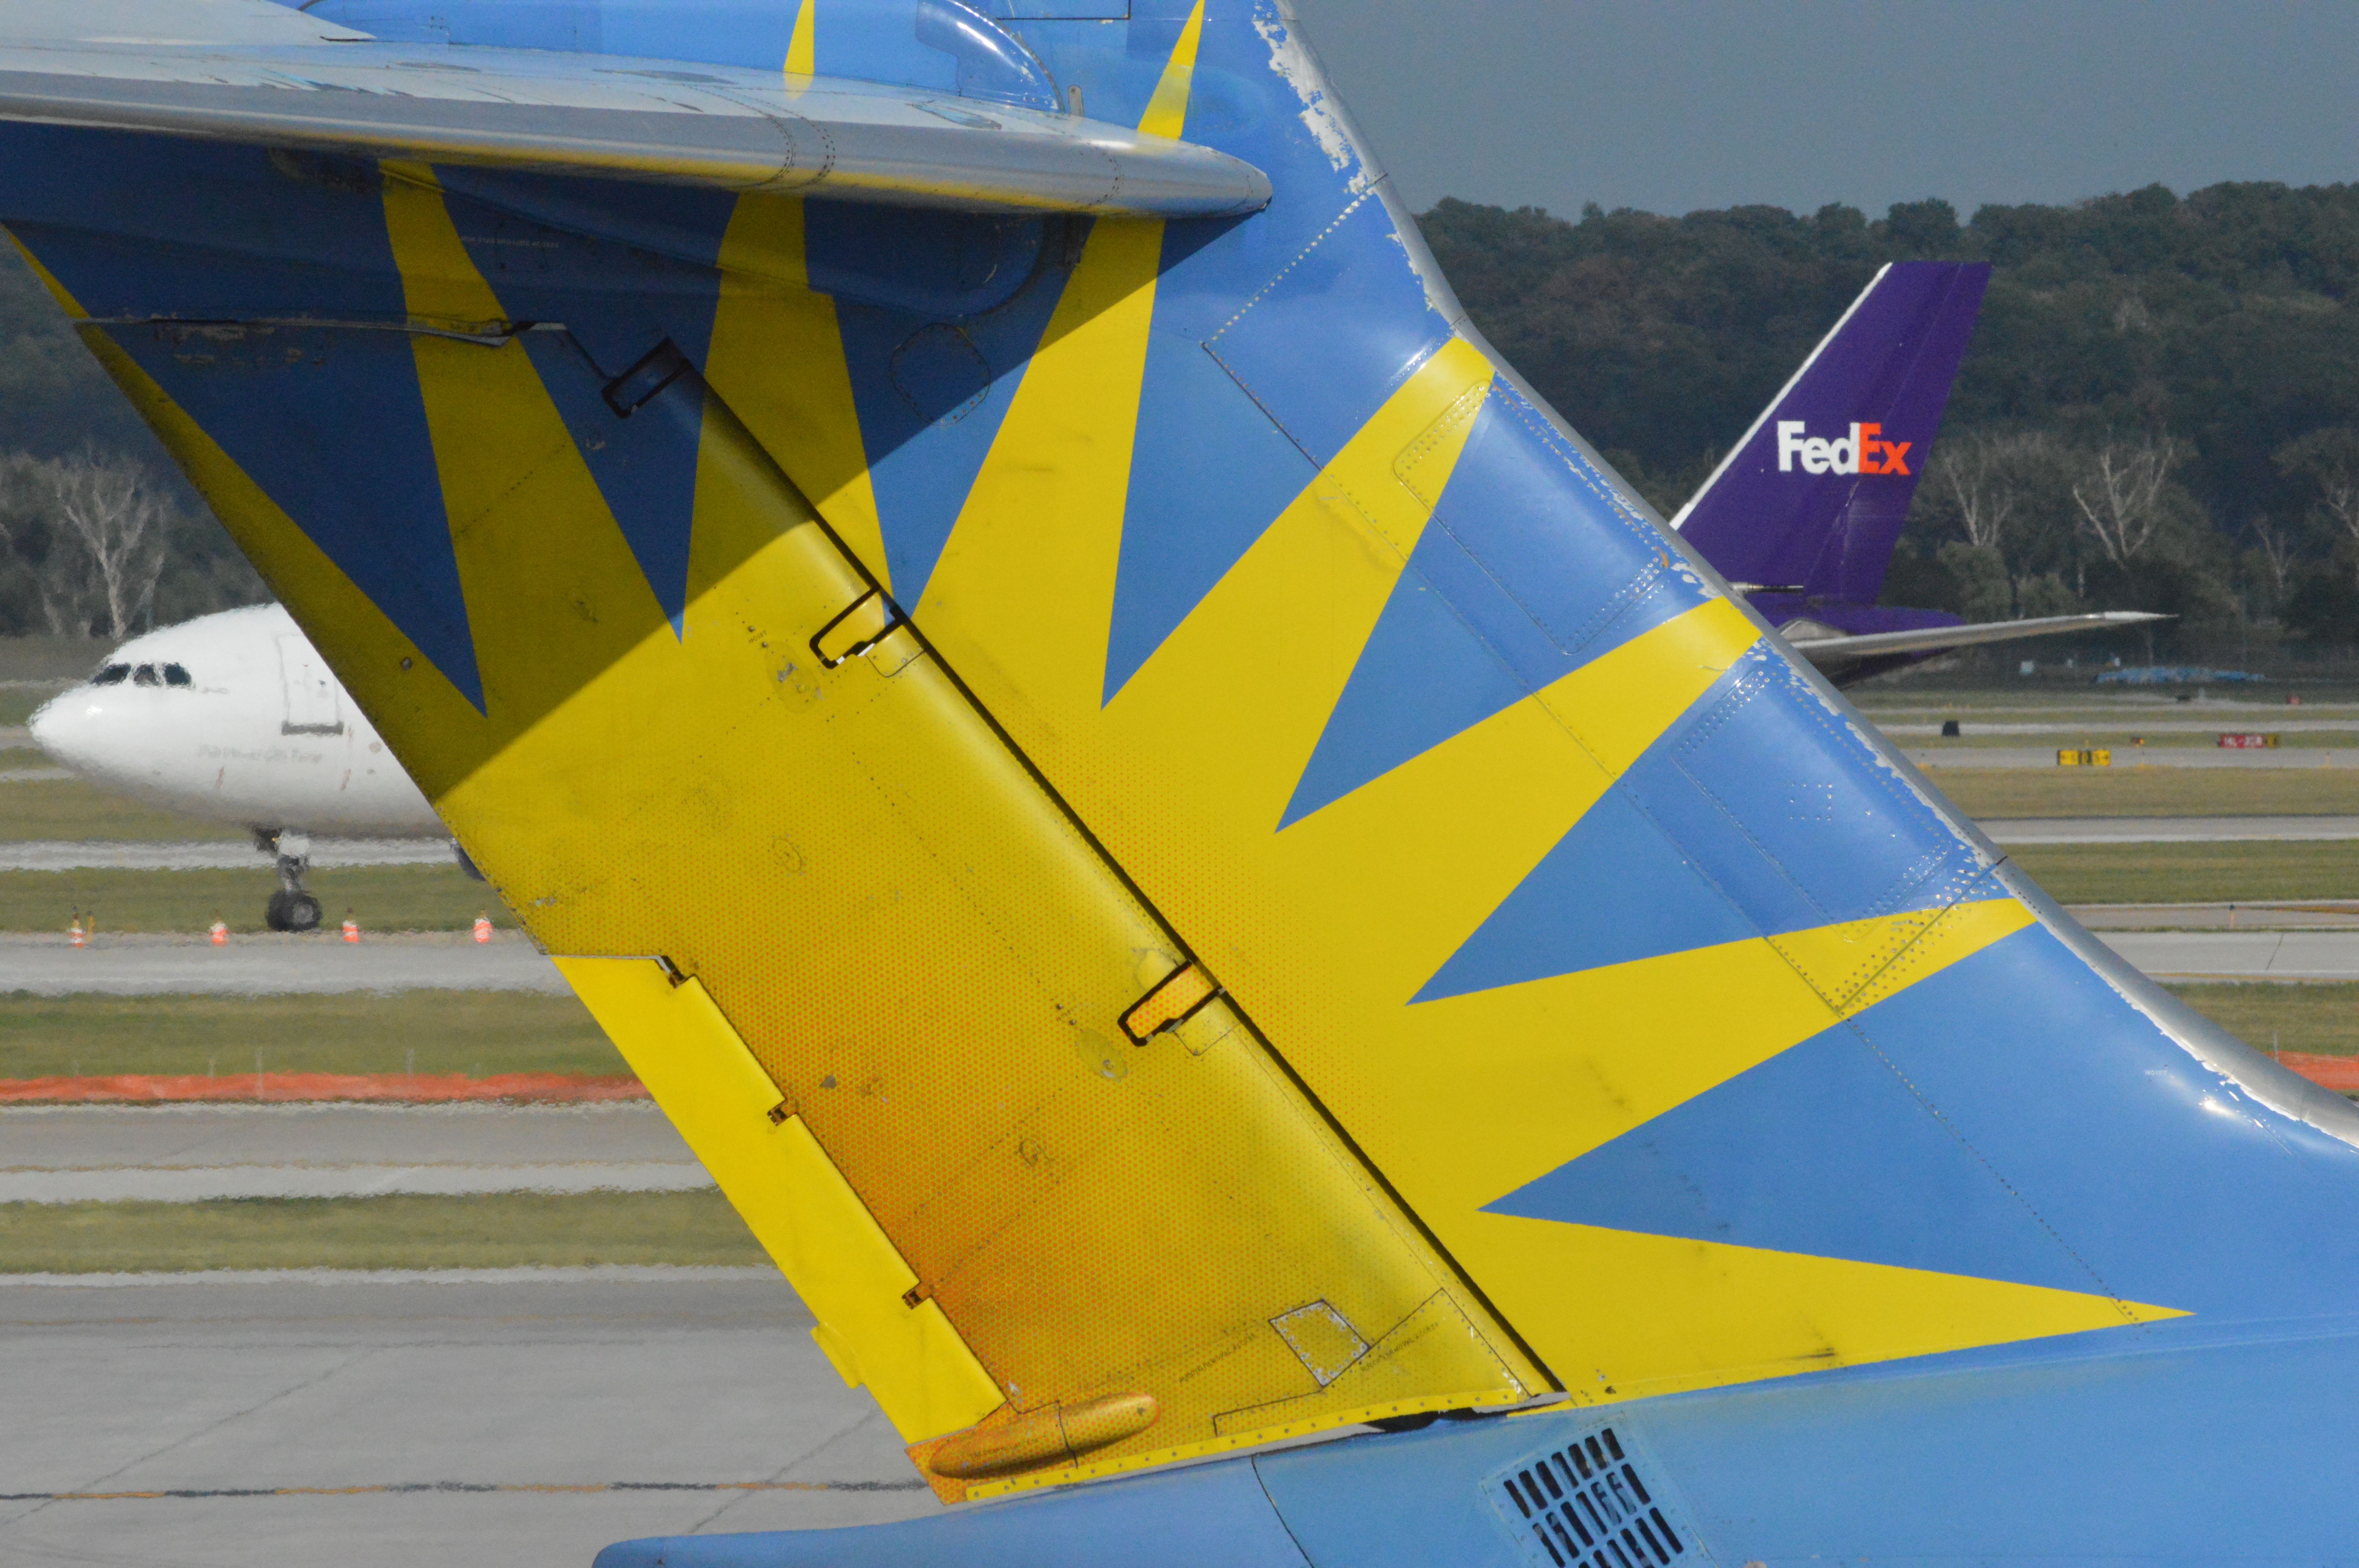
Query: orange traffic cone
[352, 927]
[73, 931]
[220, 931]
[484, 927]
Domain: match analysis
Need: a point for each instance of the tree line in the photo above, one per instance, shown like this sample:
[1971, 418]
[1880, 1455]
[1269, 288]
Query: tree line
[2160, 408]
[99, 536]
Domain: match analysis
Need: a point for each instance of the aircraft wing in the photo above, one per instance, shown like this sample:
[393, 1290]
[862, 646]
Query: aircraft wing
[310, 87]
[1839, 650]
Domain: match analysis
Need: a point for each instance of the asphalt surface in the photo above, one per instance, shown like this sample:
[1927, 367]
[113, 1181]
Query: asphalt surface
[2168, 829]
[522, 1418]
[189, 1152]
[216, 854]
[47, 964]
[2240, 954]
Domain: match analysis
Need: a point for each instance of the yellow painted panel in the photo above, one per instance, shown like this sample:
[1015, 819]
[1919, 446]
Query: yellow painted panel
[802, 47]
[791, 1196]
[1683, 1314]
[1034, 553]
[1166, 110]
[776, 359]
[919, 947]
[1622, 1045]
[922, 952]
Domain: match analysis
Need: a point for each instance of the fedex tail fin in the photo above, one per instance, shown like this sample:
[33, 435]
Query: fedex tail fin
[1812, 499]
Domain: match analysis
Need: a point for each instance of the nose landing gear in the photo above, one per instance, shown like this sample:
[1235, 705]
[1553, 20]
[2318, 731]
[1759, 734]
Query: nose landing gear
[290, 908]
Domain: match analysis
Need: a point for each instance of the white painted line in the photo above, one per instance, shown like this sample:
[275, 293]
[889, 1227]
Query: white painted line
[200, 1184]
[590, 1274]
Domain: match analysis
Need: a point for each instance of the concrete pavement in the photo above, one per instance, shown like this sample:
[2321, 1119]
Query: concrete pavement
[1934, 757]
[2132, 721]
[210, 854]
[187, 1153]
[2315, 914]
[2239, 955]
[47, 964]
[2168, 829]
[312, 1421]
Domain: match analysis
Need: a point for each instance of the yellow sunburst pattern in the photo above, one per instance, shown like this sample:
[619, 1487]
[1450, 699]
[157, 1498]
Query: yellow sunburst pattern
[1096, 1097]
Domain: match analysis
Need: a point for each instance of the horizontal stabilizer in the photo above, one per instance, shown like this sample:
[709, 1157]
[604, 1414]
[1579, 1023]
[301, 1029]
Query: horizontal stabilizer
[1828, 651]
[624, 118]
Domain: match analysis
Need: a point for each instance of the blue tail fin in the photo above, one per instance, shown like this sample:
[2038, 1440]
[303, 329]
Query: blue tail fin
[1217, 881]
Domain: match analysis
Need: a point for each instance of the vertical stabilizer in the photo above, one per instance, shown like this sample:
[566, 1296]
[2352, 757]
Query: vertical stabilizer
[1812, 499]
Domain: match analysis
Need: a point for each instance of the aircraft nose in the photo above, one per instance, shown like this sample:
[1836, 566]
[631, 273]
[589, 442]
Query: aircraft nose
[69, 727]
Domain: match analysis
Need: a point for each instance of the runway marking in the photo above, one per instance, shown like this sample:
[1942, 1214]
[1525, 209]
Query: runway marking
[393, 1488]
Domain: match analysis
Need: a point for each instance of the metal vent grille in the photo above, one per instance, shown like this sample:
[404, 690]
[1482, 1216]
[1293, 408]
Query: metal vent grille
[1584, 1505]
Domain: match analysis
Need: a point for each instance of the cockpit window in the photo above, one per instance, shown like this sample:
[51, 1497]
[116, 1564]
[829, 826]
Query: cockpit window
[112, 674]
[176, 675]
[145, 676]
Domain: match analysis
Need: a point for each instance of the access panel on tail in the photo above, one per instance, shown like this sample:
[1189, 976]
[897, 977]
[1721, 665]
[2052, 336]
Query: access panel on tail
[1189, 858]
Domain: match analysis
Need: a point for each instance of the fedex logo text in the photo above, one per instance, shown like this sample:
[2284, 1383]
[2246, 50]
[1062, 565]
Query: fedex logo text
[1862, 451]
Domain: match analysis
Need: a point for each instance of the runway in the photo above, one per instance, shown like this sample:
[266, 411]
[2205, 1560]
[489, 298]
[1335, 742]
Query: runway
[2168, 829]
[525, 1419]
[128, 965]
[2293, 914]
[187, 1154]
[2119, 721]
[164, 965]
[2239, 955]
[212, 854]
[1938, 757]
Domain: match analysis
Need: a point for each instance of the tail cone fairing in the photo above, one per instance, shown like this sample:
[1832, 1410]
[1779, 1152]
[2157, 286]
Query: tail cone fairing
[1194, 866]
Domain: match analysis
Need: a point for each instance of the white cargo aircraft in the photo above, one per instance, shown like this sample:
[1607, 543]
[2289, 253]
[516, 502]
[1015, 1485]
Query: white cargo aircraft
[234, 718]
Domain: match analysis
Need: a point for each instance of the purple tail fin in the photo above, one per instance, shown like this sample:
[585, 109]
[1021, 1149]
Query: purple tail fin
[1813, 497]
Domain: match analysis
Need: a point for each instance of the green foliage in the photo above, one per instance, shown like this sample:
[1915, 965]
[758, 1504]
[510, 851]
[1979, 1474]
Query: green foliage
[57, 408]
[1984, 592]
[2217, 334]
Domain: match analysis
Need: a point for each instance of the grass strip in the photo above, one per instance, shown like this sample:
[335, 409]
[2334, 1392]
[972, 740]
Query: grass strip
[503, 1231]
[382, 898]
[2319, 1019]
[474, 1033]
[71, 809]
[2191, 874]
[2150, 791]
[17, 703]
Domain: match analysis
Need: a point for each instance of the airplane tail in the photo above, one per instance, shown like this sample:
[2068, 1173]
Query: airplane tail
[1195, 865]
[1812, 500]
